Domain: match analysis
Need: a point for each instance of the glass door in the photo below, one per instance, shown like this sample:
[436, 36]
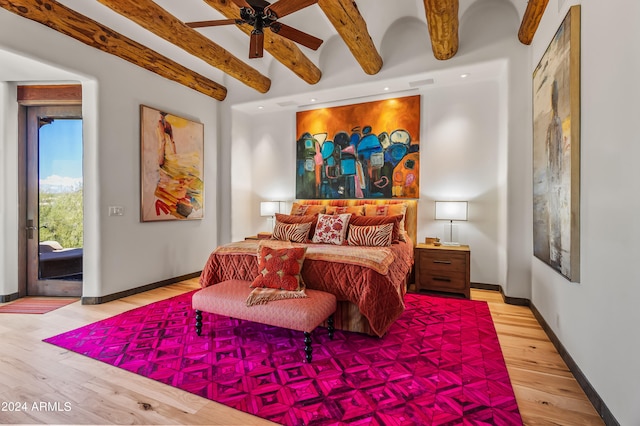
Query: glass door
[54, 201]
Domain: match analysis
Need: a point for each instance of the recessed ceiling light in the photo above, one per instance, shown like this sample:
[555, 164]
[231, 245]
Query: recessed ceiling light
[464, 75]
[313, 99]
[260, 107]
[386, 89]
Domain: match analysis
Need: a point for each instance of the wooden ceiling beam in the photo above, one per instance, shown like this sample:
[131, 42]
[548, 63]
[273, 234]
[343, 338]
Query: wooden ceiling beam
[351, 26]
[73, 24]
[442, 20]
[283, 50]
[152, 17]
[531, 20]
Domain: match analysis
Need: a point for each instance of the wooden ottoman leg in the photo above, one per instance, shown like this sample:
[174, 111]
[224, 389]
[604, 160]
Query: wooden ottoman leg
[330, 327]
[307, 345]
[198, 322]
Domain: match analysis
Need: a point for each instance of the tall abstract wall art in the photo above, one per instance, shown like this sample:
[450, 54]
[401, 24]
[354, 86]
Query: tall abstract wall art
[367, 150]
[556, 151]
[172, 162]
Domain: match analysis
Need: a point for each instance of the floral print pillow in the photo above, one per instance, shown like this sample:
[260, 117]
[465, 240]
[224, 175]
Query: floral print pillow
[331, 229]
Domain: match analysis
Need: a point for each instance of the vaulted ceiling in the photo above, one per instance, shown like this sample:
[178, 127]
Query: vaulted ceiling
[147, 33]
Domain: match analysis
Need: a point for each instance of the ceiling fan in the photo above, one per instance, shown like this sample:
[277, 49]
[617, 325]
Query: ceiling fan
[261, 14]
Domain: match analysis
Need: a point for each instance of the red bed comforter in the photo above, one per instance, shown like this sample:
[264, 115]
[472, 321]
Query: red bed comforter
[378, 292]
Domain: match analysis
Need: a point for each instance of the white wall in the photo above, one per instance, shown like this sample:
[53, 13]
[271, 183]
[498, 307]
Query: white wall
[8, 195]
[461, 160]
[596, 319]
[120, 253]
[261, 167]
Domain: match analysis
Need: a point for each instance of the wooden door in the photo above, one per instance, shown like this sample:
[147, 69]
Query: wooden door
[54, 213]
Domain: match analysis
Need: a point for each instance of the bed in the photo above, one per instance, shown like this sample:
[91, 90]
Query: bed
[369, 282]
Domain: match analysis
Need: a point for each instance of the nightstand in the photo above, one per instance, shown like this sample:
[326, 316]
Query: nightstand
[443, 268]
[260, 236]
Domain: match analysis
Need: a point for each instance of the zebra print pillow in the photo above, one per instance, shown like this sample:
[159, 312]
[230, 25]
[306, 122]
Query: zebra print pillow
[296, 232]
[373, 236]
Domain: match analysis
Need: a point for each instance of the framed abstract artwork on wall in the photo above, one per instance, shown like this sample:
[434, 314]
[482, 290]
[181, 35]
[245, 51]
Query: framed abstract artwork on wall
[556, 151]
[368, 150]
[172, 165]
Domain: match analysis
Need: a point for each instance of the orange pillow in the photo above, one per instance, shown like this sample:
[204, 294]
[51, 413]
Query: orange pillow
[298, 209]
[388, 210]
[280, 268]
[287, 218]
[355, 210]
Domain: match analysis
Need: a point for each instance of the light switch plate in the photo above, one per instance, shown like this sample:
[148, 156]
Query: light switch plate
[116, 211]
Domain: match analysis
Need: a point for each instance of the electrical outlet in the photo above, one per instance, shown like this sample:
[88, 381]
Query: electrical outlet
[116, 211]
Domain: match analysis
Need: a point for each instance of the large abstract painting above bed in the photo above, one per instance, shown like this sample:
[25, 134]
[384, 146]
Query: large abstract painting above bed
[368, 150]
[366, 267]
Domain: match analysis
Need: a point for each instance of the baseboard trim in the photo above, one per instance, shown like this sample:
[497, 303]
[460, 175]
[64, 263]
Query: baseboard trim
[115, 296]
[9, 297]
[589, 390]
[507, 299]
[483, 286]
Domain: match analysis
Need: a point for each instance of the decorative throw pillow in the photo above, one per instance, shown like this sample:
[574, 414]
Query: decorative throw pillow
[310, 218]
[379, 220]
[355, 210]
[287, 218]
[373, 236]
[298, 209]
[280, 268]
[376, 209]
[331, 229]
[388, 210]
[296, 232]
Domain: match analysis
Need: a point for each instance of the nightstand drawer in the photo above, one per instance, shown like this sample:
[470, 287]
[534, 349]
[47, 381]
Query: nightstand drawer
[442, 261]
[445, 282]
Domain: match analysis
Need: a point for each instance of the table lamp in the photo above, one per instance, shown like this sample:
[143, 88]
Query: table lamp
[269, 209]
[451, 210]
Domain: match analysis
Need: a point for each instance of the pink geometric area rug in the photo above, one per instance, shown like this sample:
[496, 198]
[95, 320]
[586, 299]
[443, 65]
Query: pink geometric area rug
[439, 364]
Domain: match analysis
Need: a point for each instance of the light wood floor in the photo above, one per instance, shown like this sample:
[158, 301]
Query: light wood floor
[51, 385]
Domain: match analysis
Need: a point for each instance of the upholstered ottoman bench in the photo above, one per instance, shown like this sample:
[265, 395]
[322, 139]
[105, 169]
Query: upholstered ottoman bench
[228, 298]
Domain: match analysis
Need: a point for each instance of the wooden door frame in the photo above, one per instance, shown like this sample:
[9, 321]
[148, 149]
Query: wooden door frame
[34, 95]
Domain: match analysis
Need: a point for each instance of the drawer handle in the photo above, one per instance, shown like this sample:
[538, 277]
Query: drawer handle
[445, 262]
[441, 279]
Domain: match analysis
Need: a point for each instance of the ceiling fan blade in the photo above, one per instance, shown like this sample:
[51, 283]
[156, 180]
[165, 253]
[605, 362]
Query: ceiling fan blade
[285, 7]
[256, 45]
[298, 36]
[242, 3]
[199, 24]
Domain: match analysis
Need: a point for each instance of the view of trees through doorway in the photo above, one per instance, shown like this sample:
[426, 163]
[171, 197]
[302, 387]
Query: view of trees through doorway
[54, 200]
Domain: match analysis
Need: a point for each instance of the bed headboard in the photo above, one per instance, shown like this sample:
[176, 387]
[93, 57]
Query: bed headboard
[411, 216]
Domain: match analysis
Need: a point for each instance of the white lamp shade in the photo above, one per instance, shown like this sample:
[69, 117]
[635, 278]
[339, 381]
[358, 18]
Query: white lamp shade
[269, 208]
[451, 210]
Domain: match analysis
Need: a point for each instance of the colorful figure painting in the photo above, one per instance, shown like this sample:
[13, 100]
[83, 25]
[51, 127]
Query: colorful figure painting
[367, 150]
[556, 151]
[171, 167]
